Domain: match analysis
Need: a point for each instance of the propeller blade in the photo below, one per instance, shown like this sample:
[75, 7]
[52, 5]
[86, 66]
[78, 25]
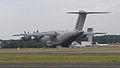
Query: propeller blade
[25, 32]
[37, 31]
[33, 31]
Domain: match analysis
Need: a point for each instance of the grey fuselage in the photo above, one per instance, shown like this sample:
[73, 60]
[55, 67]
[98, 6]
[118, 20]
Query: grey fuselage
[63, 39]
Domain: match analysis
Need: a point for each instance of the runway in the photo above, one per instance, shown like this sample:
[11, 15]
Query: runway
[59, 65]
[56, 51]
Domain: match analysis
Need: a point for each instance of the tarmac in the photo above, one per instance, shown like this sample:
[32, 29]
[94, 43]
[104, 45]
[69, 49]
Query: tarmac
[56, 51]
[59, 65]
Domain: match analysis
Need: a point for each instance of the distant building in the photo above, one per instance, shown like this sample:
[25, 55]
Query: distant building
[75, 45]
[86, 43]
[83, 44]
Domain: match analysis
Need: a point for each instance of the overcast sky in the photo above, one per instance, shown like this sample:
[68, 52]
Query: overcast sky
[48, 15]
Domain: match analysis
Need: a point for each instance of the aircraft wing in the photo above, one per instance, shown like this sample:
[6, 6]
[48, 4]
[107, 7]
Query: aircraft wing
[88, 33]
[19, 35]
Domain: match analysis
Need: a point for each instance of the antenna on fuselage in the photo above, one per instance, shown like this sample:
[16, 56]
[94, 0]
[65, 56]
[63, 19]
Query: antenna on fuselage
[82, 17]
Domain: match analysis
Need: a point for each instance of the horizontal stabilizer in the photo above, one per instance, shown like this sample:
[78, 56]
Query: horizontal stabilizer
[89, 12]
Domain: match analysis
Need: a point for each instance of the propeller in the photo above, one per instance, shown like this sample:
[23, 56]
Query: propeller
[36, 31]
[25, 35]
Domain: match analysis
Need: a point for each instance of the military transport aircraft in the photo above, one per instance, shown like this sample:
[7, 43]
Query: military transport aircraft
[61, 38]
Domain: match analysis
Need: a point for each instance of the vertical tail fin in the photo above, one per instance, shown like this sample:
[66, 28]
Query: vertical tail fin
[81, 18]
[80, 22]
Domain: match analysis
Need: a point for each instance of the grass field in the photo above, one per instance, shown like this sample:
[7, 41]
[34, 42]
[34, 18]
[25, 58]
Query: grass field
[59, 57]
[62, 57]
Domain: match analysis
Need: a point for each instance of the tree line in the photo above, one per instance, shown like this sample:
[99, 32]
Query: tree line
[36, 43]
[107, 39]
[22, 44]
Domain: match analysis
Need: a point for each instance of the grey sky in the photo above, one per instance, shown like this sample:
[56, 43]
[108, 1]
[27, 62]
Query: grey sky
[46, 15]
